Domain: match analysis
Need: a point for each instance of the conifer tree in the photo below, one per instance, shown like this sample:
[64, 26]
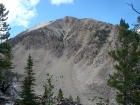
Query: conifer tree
[5, 48]
[60, 94]
[27, 92]
[48, 91]
[77, 99]
[4, 30]
[126, 79]
[70, 98]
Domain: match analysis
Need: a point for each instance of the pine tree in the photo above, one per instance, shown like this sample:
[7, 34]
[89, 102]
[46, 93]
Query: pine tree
[77, 99]
[4, 30]
[70, 98]
[5, 48]
[27, 92]
[126, 79]
[60, 94]
[48, 91]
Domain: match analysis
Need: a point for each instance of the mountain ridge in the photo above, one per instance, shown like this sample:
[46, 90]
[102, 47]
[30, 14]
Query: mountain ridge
[74, 51]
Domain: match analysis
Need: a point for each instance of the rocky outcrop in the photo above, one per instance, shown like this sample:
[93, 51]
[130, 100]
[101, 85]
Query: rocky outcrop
[9, 97]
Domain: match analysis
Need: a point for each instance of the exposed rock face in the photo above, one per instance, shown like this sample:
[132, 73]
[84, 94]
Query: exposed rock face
[75, 51]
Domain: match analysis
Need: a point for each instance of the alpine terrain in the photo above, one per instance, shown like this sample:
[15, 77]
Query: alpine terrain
[74, 51]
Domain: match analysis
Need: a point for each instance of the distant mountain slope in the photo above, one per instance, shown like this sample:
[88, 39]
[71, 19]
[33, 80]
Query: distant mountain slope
[74, 50]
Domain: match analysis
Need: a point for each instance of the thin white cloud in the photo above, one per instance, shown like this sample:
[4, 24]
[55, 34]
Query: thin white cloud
[20, 11]
[58, 2]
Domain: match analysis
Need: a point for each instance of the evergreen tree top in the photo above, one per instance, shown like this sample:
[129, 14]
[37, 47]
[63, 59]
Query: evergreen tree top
[4, 30]
[28, 93]
[124, 24]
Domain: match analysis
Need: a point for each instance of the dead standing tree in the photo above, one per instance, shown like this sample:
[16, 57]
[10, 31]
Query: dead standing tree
[133, 8]
[136, 25]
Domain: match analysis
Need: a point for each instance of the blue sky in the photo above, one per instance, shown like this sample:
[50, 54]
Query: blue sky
[25, 14]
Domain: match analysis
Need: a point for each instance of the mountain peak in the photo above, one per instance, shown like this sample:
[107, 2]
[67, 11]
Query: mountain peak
[40, 25]
[74, 51]
[70, 17]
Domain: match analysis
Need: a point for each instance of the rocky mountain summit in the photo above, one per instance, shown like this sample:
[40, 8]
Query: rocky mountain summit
[74, 51]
